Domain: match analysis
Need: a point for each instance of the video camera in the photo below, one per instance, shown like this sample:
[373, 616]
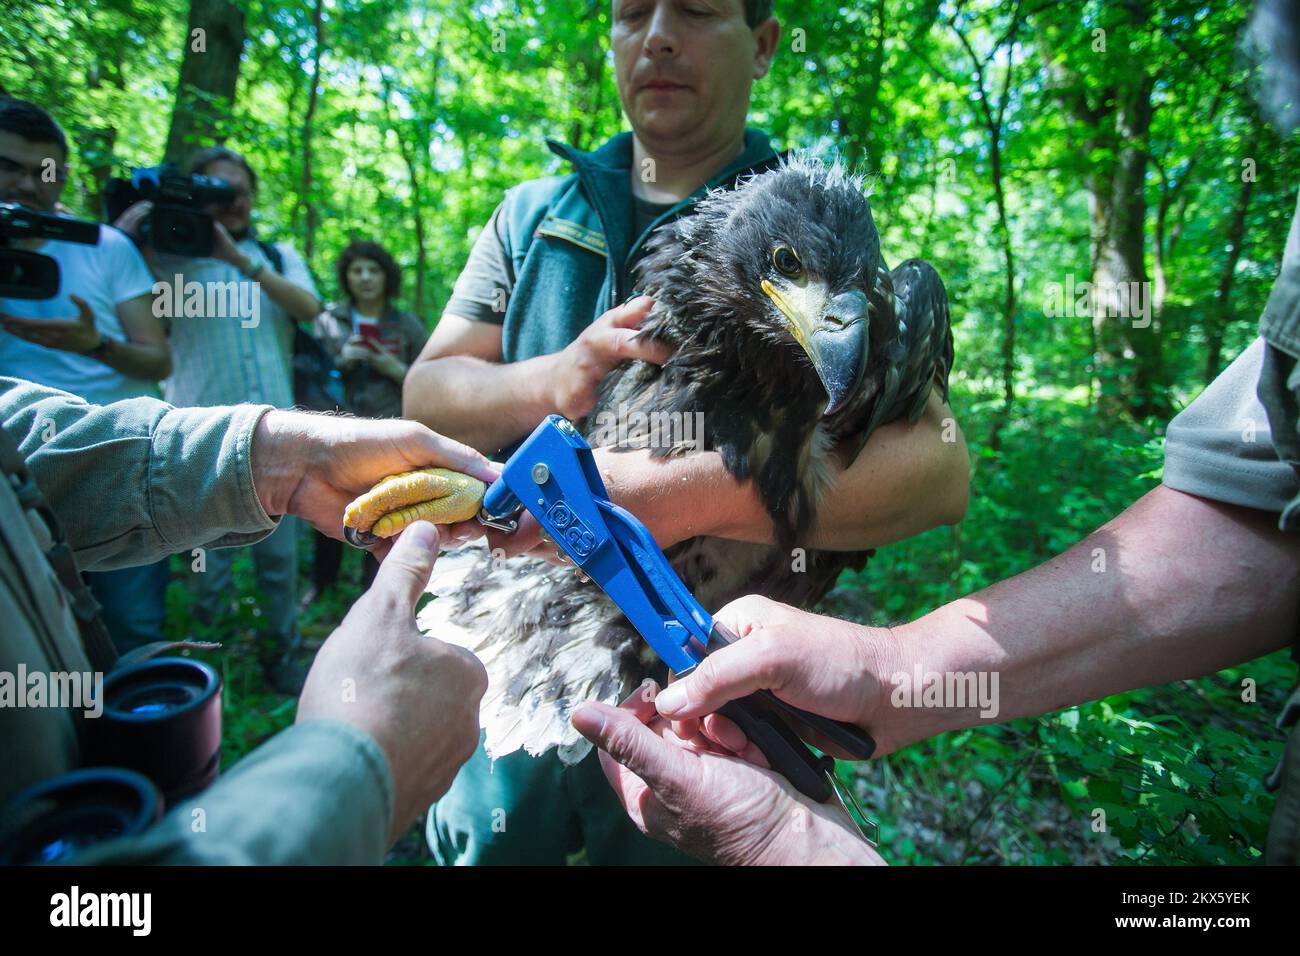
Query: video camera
[25, 274]
[177, 225]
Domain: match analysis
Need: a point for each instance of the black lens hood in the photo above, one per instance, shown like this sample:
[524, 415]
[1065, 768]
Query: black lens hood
[162, 718]
[51, 821]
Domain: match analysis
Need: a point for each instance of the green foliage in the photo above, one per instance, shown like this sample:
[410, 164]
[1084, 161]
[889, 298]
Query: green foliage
[1167, 775]
[1062, 472]
[1176, 770]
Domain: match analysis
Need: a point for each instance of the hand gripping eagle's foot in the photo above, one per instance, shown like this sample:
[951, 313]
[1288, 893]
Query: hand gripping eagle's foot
[428, 494]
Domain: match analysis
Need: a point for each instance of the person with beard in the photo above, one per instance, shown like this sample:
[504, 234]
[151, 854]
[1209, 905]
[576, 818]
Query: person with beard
[97, 338]
[244, 354]
[1204, 573]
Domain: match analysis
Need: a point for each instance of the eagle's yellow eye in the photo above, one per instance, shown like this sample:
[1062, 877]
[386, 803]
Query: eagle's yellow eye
[787, 262]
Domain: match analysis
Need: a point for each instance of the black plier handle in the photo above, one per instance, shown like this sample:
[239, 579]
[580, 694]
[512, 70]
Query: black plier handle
[759, 717]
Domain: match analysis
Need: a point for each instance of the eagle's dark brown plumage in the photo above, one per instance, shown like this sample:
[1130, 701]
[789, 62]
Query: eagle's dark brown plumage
[795, 342]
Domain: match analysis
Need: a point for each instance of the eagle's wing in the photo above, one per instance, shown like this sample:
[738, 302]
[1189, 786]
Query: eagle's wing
[911, 306]
[927, 342]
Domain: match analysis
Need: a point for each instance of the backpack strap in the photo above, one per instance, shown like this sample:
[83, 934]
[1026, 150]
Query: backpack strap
[273, 255]
[85, 609]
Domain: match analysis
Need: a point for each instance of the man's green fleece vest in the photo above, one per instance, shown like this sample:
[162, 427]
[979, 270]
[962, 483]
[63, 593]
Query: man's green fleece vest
[571, 243]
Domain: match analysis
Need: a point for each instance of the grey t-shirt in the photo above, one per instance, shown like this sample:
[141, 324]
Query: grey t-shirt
[645, 212]
[482, 290]
[1220, 447]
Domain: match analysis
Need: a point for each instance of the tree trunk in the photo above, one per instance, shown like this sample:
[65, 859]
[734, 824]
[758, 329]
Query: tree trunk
[855, 107]
[867, 96]
[205, 94]
[1009, 298]
[587, 67]
[1161, 250]
[1129, 361]
[417, 190]
[1221, 314]
[313, 97]
[1173, 198]
[993, 118]
[291, 114]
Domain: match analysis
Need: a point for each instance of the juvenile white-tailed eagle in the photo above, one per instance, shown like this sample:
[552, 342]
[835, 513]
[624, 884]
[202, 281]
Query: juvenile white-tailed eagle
[795, 342]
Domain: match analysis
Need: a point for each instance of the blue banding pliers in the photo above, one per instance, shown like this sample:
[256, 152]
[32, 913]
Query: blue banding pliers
[553, 474]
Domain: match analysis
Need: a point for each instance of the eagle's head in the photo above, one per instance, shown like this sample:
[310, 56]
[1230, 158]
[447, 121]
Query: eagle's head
[787, 262]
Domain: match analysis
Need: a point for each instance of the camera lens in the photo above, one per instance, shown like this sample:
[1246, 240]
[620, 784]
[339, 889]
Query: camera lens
[154, 699]
[181, 231]
[27, 275]
[161, 717]
[50, 822]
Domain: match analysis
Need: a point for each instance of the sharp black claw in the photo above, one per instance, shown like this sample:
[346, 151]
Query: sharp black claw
[360, 539]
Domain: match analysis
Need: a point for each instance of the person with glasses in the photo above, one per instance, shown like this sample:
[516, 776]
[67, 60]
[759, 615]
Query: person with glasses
[239, 348]
[97, 338]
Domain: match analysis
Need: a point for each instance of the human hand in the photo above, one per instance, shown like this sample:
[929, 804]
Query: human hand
[77, 335]
[387, 364]
[352, 354]
[356, 350]
[416, 696]
[313, 465]
[131, 221]
[225, 249]
[820, 664]
[608, 342]
[697, 795]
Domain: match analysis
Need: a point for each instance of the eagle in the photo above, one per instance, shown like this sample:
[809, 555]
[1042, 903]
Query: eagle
[794, 341]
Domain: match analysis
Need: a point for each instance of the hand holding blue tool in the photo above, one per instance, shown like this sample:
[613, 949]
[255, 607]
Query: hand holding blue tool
[553, 474]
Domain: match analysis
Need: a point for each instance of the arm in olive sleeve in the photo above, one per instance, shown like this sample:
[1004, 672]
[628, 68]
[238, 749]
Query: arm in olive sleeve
[137, 480]
[319, 792]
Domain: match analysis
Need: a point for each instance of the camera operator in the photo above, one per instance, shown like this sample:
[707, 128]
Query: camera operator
[98, 338]
[244, 357]
[358, 766]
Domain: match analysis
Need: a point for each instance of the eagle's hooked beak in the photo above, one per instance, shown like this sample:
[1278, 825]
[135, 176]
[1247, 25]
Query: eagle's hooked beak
[835, 340]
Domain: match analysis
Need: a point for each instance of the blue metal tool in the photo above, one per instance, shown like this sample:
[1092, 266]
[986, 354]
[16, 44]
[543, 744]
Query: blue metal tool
[553, 474]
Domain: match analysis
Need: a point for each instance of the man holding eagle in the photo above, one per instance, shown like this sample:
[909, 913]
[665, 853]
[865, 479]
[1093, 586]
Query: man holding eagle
[796, 351]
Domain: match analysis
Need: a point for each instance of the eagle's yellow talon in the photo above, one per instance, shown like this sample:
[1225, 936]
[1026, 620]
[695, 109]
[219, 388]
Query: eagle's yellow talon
[429, 494]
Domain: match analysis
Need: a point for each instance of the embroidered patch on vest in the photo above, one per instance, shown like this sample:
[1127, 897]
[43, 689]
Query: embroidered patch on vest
[579, 235]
